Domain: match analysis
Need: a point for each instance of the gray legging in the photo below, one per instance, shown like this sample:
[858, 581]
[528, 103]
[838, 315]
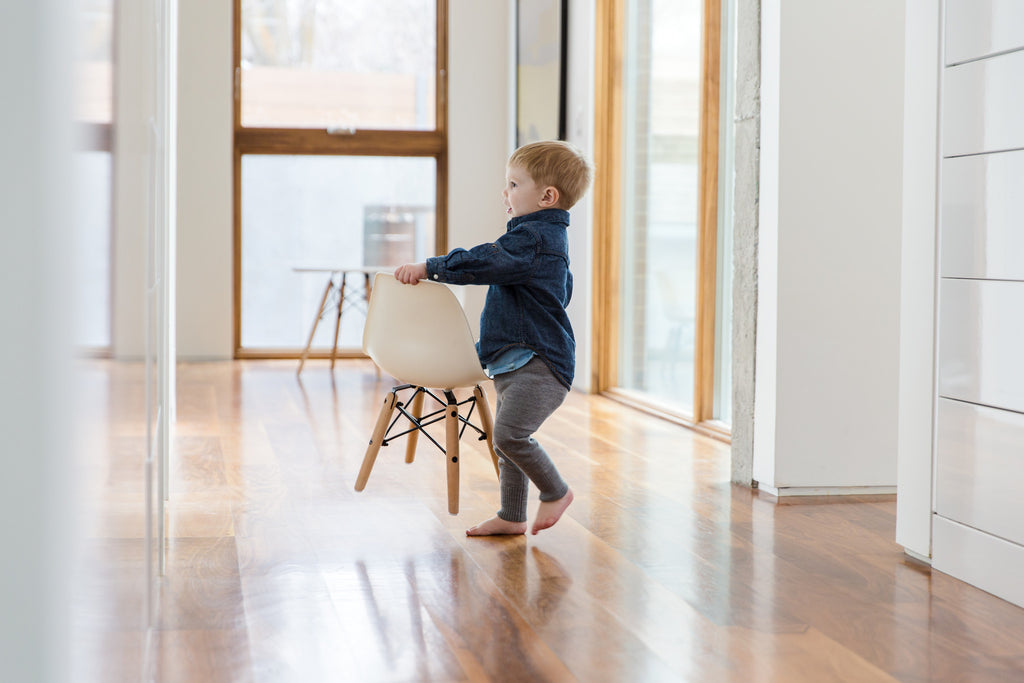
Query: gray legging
[526, 397]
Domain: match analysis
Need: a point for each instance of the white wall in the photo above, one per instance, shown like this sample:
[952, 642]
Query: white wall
[830, 211]
[480, 73]
[34, 349]
[133, 195]
[205, 270]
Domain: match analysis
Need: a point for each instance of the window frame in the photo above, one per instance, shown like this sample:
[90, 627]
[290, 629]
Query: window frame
[320, 142]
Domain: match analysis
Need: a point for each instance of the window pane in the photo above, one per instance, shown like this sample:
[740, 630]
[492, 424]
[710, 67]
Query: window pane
[334, 212]
[92, 177]
[94, 35]
[339, 64]
[660, 191]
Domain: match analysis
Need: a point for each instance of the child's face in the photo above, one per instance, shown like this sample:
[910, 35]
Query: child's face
[521, 194]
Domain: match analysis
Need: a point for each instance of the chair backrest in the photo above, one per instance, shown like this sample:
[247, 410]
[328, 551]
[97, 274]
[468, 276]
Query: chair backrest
[420, 335]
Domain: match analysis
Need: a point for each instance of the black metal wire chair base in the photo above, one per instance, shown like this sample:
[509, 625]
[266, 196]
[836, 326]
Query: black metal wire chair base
[420, 423]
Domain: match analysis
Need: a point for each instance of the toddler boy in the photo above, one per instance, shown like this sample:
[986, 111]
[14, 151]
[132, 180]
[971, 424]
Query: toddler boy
[526, 342]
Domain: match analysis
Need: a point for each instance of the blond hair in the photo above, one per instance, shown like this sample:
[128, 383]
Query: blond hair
[556, 163]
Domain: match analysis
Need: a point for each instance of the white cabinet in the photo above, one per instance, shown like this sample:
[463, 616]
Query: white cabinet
[977, 529]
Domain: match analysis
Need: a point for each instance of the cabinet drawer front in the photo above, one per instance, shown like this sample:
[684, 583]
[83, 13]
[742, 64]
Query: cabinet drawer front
[981, 342]
[979, 464]
[982, 216]
[976, 28]
[983, 106]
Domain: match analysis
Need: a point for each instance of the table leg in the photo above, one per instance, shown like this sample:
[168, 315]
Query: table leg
[316, 323]
[337, 324]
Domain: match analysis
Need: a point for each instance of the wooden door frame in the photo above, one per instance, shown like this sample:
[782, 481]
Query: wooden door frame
[607, 192]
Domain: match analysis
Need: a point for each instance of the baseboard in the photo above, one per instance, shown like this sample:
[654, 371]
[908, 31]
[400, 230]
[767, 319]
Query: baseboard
[784, 491]
[988, 562]
[924, 559]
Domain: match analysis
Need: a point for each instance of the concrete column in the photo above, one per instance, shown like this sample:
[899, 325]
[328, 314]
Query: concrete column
[747, 134]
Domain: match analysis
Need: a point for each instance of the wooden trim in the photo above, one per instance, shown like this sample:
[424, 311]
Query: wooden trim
[312, 141]
[441, 71]
[608, 41]
[707, 216]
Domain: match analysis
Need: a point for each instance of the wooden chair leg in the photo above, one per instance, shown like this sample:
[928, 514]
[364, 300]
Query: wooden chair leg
[316, 322]
[381, 428]
[416, 409]
[451, 430]
[487, 420]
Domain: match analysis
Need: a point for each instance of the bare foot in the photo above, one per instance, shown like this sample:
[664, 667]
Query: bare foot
[550, 512]
[496, 526]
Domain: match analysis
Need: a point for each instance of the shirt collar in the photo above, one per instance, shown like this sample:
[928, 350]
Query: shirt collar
[544, 216]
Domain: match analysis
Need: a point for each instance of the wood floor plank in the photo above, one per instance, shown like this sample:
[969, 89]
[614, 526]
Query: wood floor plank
[661, 570]
[201, 656]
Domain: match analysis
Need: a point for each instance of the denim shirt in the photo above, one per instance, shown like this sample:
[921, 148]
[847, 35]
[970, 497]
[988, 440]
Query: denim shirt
[527, 269]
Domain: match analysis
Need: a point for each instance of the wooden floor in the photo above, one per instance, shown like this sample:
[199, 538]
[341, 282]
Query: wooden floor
[277, 570]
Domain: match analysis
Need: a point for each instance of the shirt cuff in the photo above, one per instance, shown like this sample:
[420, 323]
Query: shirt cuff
[438, 272]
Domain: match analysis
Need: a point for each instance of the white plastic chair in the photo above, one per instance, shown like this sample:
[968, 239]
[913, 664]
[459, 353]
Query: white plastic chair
[419, 334]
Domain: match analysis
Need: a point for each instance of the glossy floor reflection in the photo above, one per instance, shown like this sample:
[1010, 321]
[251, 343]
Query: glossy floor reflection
[277, 570]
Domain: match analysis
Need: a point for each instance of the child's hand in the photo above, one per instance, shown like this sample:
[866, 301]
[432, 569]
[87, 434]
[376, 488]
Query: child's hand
[411, 273]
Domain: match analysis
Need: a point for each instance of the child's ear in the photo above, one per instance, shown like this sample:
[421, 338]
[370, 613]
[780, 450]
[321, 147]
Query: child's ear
[550, 196]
